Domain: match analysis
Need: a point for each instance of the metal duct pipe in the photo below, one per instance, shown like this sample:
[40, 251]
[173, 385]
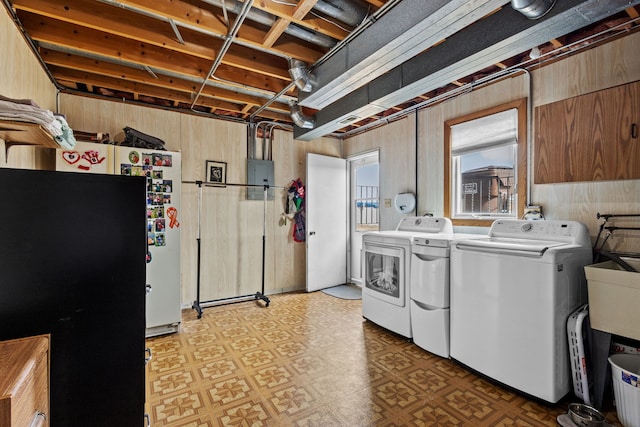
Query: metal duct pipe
[246, 7]
[304, 80]
[533, 9]
[351, 12]
[267, 19]
[300, 119]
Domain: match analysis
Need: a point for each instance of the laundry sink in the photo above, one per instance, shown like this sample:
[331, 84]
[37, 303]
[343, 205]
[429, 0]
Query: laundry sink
[614, 298]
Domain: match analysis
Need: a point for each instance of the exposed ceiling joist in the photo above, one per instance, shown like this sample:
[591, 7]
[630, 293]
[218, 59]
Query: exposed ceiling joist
[409, 28]
[486, 42]
[161, 52]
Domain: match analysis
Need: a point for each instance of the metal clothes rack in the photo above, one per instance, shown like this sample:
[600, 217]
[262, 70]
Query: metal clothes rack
[199, 305]
[609, 229]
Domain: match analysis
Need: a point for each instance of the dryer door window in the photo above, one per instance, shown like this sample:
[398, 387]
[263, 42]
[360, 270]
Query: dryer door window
[384, 273]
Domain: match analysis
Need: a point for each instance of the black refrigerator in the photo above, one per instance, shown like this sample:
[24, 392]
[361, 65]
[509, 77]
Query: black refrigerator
[72, 265]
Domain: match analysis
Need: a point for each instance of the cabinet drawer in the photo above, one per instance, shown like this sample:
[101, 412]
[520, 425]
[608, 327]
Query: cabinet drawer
[24, 382]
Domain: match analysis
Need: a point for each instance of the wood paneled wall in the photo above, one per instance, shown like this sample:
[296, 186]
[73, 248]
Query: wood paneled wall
[22, 77]
[610, 65]
[235, 268]
[397, 144]
[431, 134]
[606, 66]
[231, 226]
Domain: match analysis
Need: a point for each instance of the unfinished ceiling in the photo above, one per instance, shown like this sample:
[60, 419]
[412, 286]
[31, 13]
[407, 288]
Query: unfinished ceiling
[320, 67]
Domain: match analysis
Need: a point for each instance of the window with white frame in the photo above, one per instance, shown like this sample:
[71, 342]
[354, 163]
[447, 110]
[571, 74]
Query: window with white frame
[484, 166]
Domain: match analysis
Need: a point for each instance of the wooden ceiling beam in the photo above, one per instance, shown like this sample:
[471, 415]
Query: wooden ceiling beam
[283, 23]
[299, 14]
[556, 43]
[93, 66]
[84, 39]
[275, 32]
[375, 3]
[140, 88]
[209, 19]
[143, 29]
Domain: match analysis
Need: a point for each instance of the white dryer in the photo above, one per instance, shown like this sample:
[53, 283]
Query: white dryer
[511, 296]
[386, 261]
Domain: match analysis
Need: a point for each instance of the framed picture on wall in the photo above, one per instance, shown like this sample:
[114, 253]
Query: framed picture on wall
[216, 172]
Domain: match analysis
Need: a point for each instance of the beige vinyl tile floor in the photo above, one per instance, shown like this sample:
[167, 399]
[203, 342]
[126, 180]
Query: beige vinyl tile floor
[310, 359]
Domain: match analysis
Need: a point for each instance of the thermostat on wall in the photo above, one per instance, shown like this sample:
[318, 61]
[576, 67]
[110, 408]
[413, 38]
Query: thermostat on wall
[404, 202]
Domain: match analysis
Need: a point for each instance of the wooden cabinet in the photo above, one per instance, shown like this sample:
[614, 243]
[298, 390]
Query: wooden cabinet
[24, 382]
[593, 137]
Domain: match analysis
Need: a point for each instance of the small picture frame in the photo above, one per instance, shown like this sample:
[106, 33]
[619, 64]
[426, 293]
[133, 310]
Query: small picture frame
[216, 172]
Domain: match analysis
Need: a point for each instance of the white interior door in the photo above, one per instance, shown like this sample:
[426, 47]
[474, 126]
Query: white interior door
[327, 223]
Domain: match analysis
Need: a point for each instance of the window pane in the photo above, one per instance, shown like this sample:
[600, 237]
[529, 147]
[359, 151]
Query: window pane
[485, 182]
[485, 155]
[366, 197]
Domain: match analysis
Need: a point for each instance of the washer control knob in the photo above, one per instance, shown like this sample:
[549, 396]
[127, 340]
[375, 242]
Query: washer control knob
[527, 226]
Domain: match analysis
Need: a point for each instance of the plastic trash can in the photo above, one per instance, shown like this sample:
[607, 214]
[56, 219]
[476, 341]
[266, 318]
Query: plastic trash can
[625, 372]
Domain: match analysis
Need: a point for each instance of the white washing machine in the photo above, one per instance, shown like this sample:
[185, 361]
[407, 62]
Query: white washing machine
[429, 306]
[511, 296]
[386, 262]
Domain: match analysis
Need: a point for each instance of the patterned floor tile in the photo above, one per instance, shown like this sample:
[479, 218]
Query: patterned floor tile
[217, 369]
[292, 400]
[273, 376]
[177, 407]
[310, 359]
[472, 406]
[257, 358]
[171, 383]
[228, 391]
[250, 413]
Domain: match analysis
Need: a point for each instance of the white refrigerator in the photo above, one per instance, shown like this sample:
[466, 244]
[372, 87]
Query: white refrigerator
[163, 172]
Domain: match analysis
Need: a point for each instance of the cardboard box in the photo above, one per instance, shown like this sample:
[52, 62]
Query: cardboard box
[614, 298]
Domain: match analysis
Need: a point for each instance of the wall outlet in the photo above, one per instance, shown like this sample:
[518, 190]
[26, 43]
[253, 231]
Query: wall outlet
[387, 203]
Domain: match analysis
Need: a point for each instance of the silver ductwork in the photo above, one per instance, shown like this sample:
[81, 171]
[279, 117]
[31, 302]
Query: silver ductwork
[533, 9]
[300, 119]
[406, 30]
[501, 35]
[303, 79]
[351, 12]
[268, 20]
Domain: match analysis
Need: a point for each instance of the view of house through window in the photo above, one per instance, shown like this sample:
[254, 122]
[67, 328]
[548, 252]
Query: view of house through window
[484, 166]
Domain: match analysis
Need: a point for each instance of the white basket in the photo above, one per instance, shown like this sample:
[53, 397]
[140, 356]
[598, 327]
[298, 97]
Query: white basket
[577, 324]
[625, 370]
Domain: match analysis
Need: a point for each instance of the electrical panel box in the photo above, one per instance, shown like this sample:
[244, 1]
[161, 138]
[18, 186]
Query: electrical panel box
[259, 172]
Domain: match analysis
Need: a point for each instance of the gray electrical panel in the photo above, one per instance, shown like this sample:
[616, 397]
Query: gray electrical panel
[259, 172]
